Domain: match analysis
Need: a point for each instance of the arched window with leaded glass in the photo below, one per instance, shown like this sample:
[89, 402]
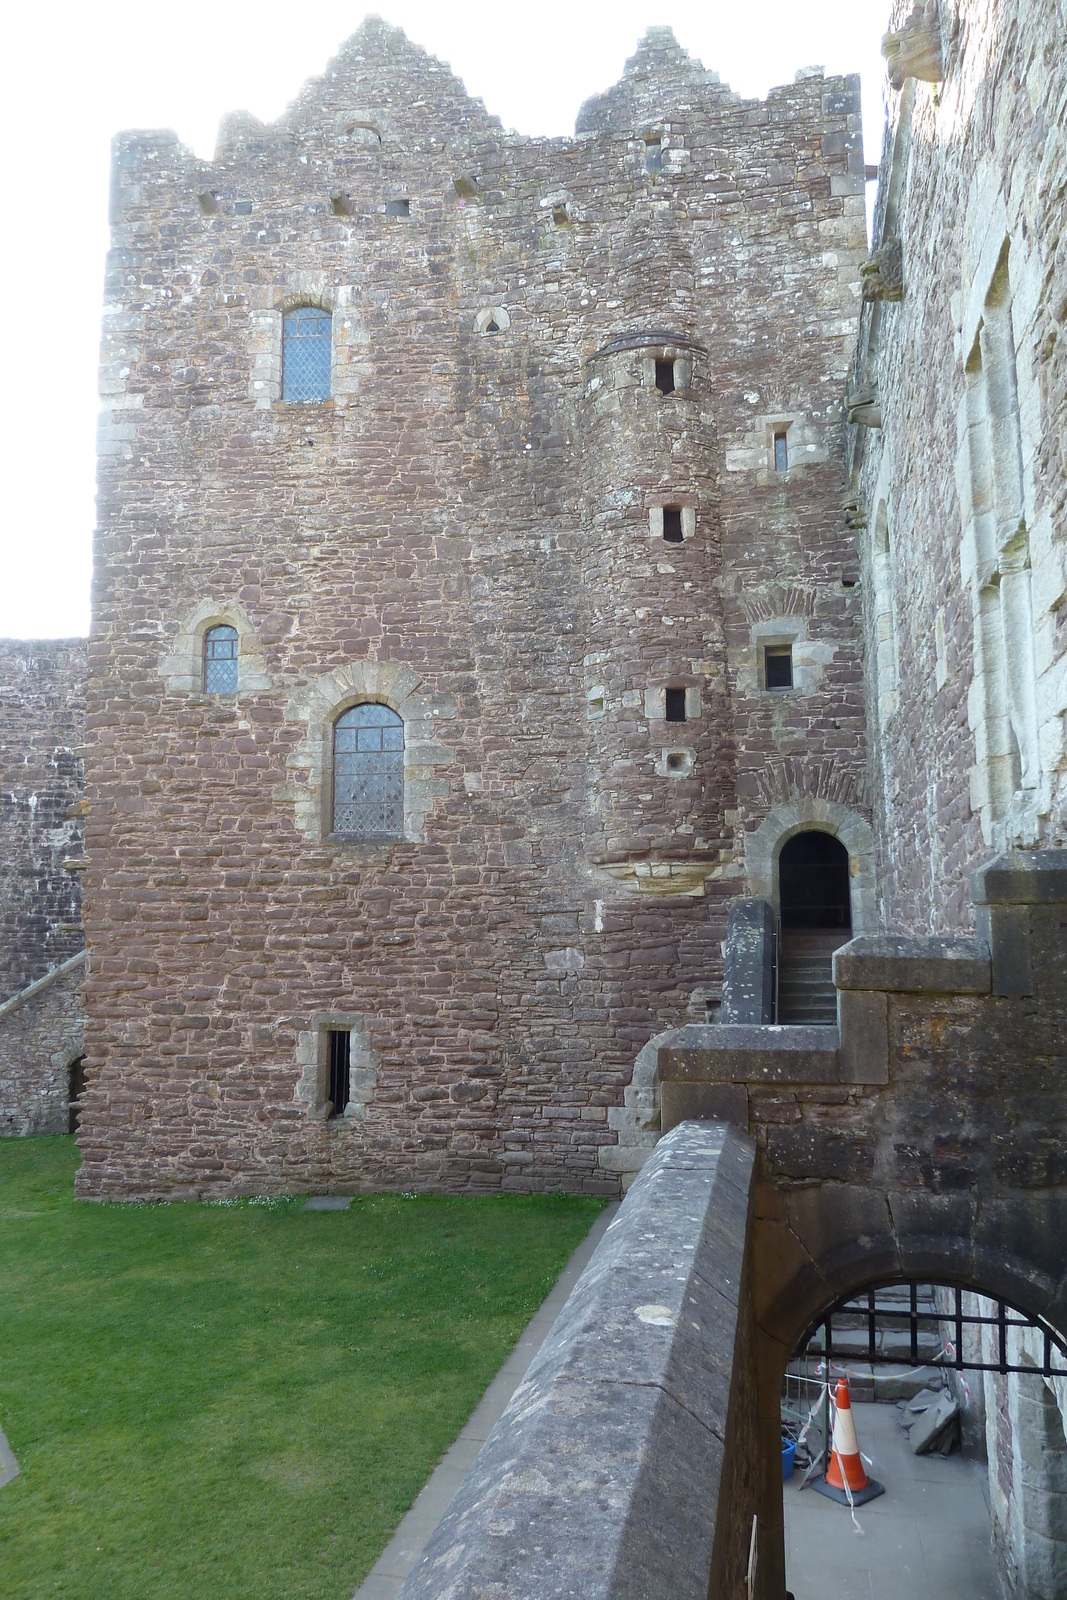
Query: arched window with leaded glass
[368, 773]
[307, 342]
[220, 661]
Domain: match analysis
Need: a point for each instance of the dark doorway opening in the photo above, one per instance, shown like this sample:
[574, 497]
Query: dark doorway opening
[75, 1085]
[813, 883]
[816, 918]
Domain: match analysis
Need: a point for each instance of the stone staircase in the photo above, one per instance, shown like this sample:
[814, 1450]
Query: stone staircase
[806, 993]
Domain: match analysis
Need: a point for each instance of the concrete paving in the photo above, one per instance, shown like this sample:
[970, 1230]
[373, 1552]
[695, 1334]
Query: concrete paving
[926, 1538]
[407, 1544]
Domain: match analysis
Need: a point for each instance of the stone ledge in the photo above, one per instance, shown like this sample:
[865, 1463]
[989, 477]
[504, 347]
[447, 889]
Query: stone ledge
[602, 1477]
[1024, 877]
[913, 965]
[735, 1053]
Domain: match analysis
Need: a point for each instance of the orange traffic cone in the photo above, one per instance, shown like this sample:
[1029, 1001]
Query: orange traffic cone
[845, 1479]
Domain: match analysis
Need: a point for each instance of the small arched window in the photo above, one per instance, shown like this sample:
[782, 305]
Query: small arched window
[368, 773]
[307, 339]
[220, 661]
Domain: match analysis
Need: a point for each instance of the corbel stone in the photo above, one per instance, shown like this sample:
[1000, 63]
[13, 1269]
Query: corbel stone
[864, 407]
[883, 272]
[915, 50]
[855, 512]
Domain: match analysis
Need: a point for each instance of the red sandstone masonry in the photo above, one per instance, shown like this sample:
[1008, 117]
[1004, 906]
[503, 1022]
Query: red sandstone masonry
[475, 510]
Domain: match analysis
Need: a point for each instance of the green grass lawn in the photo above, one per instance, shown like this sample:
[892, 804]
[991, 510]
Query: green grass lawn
[219, 1401]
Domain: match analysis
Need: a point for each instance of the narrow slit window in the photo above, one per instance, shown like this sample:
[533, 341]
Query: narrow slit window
[778, 666]
[665, 377]
[306, 348]
[653, 155]
[220, 661]
[781, 452]
[675, 707]
[672, 524]
[340, 1070]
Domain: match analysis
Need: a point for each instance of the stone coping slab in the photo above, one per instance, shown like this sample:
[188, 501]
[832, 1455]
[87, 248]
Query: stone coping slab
[1022, 877]
[736, 1053]
[601, 1478]
[902, 965]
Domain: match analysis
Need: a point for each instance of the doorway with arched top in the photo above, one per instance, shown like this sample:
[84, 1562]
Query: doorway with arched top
[815, 919]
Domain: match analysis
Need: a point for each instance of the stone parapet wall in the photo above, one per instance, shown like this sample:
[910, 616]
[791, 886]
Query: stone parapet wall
[625, 1464]
[476, 517]
[921, 1138]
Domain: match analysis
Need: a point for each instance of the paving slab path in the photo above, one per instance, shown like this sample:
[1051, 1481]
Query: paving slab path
[926, 1538]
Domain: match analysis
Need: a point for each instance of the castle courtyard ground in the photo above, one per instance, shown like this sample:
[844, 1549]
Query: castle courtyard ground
[241, 1399]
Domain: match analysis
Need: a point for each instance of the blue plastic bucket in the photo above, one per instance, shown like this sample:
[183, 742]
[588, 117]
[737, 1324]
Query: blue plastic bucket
[789, 1450]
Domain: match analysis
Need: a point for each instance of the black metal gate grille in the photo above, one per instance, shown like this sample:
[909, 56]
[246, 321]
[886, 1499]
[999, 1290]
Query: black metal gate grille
[340, 1066]
[855, 1328]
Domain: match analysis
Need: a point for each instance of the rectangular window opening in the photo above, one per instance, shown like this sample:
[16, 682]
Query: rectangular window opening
[781, 452]
[672, 524]
[778, 666]
[675, 705]
[665, 377]
[398, 208]
[653, 155]
[340, 1067]
[242, 208]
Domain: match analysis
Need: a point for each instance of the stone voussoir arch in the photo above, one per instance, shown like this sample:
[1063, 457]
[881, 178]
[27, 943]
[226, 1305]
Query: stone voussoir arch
[182, 666]
[810, 812]
[319, 704]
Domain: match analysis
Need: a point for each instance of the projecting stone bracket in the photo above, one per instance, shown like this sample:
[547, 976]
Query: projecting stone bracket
[916, 50]
[883, 273]
[864, 407]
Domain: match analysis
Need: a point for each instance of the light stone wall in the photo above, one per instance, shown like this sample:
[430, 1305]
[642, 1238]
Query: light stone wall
[963, 487]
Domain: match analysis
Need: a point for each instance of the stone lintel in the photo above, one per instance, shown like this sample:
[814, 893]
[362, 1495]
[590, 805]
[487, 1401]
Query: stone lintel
[1022, 877]
[737, 1054]
[913, 965]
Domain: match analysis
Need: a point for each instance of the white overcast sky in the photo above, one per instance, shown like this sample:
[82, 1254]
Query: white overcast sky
[75, 74]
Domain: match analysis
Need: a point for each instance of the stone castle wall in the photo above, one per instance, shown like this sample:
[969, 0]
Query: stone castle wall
[42, 728]
[470, 530]
[963, 483]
